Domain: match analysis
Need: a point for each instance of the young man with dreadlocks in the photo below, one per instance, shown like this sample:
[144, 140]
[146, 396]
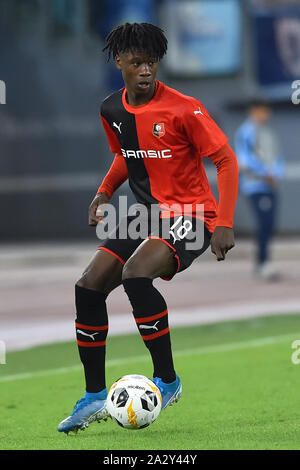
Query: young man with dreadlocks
[159, 137]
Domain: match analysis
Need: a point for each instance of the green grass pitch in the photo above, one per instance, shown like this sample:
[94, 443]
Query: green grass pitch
[240, 391]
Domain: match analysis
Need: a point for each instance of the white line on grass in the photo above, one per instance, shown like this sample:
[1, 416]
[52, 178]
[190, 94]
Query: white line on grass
[255, 343]
[36, 333]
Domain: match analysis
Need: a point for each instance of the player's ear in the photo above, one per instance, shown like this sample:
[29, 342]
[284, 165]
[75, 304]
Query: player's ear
[118, 62]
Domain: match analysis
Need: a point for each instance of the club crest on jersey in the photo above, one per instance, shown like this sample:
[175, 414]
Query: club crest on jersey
[159, 129]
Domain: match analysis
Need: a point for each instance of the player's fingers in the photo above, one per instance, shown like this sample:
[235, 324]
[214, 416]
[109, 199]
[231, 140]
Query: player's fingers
[95, 220]
[229, 246]
[220, 254]
[92, 216]
[99, 213]
[216, 249]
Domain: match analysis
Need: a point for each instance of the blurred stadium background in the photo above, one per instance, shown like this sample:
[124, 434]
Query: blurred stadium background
[54, 152]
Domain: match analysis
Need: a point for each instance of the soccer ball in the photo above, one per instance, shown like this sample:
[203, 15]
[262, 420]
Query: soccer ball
[134, 401]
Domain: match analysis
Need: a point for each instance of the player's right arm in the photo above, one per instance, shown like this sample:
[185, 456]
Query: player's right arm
[116, 176]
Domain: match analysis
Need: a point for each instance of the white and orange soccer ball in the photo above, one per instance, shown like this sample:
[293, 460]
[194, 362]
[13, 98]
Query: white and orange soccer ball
[134, 401]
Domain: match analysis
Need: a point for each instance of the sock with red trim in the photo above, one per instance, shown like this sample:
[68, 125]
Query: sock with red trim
[151, 316]
[91, 331]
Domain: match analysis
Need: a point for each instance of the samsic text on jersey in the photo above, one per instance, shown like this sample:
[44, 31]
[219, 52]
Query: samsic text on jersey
[163, 142]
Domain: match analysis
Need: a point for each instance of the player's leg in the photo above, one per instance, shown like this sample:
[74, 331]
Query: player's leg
[152, 259]
[267, 205]
[258, 205]
[264, 208]
[102, 275]
[268, 211]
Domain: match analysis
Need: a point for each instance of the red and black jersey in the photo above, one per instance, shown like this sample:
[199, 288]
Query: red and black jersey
[162, 143]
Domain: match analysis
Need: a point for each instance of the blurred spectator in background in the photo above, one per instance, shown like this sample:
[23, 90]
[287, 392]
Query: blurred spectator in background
[261, 168]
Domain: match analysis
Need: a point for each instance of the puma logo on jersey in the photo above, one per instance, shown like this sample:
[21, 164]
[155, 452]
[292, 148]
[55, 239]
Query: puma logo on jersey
[147, 153]
[198, 112]
[147, 327]
[117, 126]
[87, 334]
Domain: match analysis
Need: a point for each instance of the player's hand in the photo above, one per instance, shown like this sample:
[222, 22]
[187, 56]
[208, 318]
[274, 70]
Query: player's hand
[222, 240]
[95, 210]
[270, 180]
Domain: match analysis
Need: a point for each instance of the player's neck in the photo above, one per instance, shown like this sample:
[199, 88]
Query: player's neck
[138, 99]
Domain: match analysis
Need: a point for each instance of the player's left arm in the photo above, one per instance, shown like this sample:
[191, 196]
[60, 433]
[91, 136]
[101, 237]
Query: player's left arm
[226, 163]
[210, 141]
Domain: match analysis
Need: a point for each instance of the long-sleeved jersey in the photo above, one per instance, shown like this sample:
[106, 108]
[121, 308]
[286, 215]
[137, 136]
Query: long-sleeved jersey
[160, 146]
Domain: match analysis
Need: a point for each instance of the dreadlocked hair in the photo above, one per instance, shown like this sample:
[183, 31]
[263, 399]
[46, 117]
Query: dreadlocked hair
[144, 37]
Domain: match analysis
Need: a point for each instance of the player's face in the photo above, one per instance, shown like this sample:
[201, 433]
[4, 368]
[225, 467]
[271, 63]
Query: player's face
[260, 113]
[139, 72]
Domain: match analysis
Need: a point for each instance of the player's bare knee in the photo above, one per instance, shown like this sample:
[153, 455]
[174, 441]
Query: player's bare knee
[128, 272]
[82, 282]
[132, 269]
[89, 280]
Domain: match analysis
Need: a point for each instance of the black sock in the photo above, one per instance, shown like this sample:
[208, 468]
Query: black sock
[151, 316]
[91, 331]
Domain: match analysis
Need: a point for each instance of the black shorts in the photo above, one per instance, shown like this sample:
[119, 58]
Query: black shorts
[186, 236]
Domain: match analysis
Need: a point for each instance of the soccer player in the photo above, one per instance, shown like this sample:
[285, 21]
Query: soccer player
[159, 137]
